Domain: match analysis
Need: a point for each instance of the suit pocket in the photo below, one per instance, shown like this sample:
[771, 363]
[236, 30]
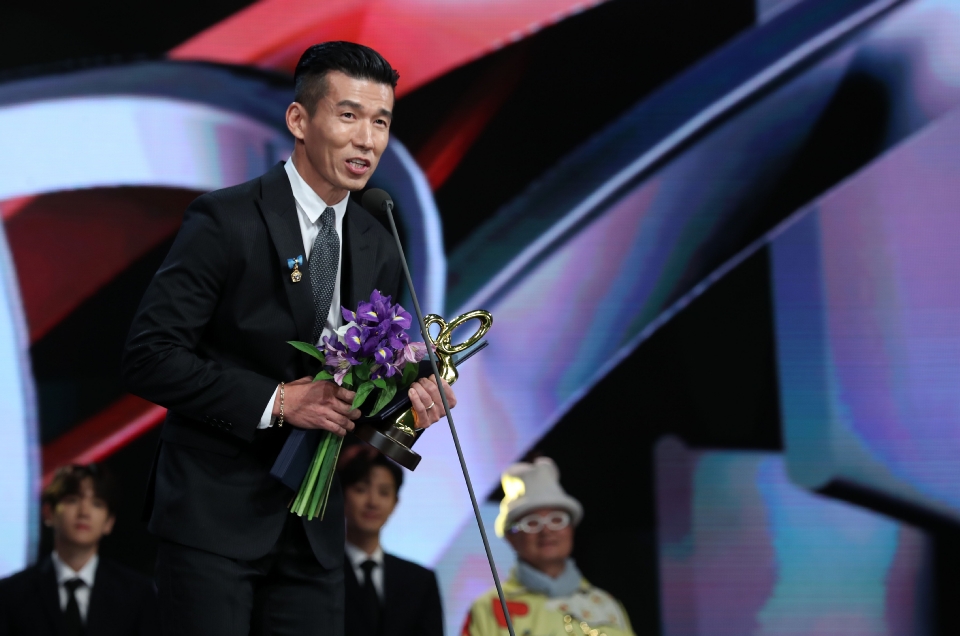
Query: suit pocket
[180, 430]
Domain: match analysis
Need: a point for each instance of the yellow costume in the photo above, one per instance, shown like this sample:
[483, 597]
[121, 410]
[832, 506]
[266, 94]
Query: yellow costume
[589, 611]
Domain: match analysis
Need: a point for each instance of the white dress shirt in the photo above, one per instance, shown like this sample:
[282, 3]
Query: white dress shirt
[358, 556]
[309, 208]
[65, 573]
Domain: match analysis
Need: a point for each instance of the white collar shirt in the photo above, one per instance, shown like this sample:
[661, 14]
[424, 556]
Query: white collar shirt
[309, 208]
[87, 574]
[357, 557]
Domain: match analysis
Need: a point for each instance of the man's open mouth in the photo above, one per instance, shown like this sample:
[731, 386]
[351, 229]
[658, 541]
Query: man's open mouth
[358, 166]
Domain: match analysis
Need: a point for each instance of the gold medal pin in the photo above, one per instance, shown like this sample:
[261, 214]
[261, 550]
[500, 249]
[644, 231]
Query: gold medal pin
[294, 264]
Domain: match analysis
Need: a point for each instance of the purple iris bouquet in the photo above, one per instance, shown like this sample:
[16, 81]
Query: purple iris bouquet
[371, 355]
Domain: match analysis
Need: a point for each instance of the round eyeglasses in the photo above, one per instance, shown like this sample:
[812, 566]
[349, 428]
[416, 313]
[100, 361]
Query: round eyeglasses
[534, 523]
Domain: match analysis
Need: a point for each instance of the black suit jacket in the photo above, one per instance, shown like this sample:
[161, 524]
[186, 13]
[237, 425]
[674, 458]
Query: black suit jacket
[209, 343]
[411, 604]
[123, 603]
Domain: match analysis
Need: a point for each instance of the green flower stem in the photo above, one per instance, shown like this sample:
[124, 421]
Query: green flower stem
[325, 480]
[296, 501]
[310, 479]
[316, 483]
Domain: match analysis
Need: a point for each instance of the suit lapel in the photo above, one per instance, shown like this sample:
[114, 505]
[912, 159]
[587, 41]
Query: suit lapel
[359, 256]
[279, 212]
[392, 596]
[50, 595]
[102, 599]
[353, 616]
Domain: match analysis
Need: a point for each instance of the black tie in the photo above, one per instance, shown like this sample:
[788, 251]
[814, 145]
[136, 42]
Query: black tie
[371, 601]
[71, 615]
[324, 259]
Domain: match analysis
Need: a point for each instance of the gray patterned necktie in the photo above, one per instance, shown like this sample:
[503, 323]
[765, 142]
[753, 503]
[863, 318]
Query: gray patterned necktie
[324, 259]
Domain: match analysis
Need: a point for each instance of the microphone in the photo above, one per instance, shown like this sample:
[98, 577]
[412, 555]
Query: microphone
[377, 201]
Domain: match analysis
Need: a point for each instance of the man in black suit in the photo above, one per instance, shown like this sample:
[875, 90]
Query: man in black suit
[386, 595]
[252, 267]
[74, 591]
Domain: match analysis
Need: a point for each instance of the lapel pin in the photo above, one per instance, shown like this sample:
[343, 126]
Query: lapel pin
[294, 264]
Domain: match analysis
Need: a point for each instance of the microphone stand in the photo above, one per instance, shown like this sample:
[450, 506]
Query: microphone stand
[387, 206]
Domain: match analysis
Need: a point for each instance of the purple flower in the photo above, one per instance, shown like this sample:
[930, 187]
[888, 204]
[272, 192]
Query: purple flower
[338, 361]
[341, 373]
[331, 345]
[400, 317]
[369, 341]
[367, 314]
[414, 351]
[377, 297]
[378, 371]
[383, 353]
[354, 338]
[375, 311]
[375, 332]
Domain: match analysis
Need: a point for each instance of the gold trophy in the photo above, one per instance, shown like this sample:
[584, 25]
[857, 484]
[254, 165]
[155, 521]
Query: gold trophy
[394, 429]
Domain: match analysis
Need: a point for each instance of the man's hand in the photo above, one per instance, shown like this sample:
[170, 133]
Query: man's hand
[320, 405]
[425, 398]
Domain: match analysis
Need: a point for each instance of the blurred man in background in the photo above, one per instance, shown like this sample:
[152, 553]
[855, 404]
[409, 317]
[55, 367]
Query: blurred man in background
[546, 594]
[386, 595]
[74, 591]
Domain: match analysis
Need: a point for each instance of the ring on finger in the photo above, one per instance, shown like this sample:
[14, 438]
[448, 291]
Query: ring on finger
[432, 404]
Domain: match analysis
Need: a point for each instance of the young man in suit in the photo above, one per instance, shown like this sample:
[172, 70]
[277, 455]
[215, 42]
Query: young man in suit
[386, 595]
[252, 267]
[74, 591]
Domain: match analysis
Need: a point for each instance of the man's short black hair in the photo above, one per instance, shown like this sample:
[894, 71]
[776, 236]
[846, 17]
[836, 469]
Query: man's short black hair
[354, 60]
[68, 479]
[358, 469]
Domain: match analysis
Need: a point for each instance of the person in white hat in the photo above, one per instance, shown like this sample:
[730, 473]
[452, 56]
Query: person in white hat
[546, 594]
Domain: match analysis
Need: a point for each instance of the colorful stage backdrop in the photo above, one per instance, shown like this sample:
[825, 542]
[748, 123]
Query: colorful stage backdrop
[626, 229]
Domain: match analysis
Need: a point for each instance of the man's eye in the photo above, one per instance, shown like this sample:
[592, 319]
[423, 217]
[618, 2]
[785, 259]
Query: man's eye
[348, 115]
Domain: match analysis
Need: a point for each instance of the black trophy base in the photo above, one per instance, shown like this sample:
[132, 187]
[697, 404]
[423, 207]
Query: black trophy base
[395, 450]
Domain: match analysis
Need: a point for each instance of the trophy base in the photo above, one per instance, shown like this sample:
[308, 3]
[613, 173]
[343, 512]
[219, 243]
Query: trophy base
[386, 444]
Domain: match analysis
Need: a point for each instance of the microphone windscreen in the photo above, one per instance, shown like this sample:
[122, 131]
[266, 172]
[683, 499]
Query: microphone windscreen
[376, 200]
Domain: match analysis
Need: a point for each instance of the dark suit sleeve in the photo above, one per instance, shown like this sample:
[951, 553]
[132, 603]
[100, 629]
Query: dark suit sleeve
[161, 362]
[398, 284]
[430, 621]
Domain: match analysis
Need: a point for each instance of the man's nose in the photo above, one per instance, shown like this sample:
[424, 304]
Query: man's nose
[363, 138]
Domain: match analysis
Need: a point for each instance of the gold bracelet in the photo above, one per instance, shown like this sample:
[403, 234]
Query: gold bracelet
[280, 421]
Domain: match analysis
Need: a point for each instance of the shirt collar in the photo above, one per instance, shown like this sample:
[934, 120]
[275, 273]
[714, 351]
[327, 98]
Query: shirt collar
[309, 201]
[64, 572]
[358, 556]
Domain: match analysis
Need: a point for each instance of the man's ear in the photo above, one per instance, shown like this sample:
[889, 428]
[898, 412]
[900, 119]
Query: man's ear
[46, 513]
[297, 118]
[108, 526]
